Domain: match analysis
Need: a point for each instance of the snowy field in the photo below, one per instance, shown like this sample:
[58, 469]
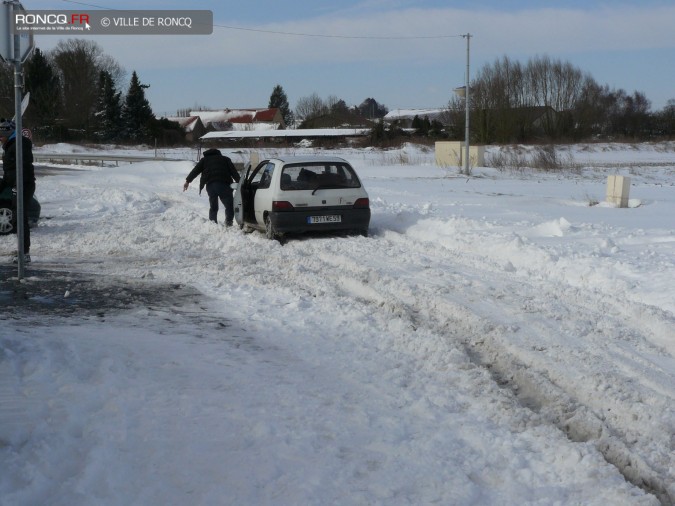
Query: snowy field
[501, 339]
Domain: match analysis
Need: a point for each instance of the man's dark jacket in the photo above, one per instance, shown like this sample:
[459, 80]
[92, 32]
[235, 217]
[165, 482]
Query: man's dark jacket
[9, 163]
[214, 166]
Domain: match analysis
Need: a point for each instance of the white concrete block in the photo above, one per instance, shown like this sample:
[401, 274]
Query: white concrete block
[618, 190]
[451, 154]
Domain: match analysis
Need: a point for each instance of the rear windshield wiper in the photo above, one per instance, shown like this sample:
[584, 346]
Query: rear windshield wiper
[319, 187]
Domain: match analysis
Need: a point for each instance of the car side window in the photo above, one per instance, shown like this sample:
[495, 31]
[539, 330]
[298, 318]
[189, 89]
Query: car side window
[253, 175]
[266, 176]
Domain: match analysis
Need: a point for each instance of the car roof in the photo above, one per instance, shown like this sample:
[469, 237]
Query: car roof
[308, 159]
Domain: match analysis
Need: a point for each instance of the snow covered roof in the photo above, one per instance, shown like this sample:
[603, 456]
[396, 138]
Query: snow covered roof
[253, 127]
[411, 113]
[188, 123]
[237, 115]
[300, 132]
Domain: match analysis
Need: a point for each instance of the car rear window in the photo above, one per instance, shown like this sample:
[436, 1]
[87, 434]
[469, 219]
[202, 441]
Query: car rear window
[310, 176]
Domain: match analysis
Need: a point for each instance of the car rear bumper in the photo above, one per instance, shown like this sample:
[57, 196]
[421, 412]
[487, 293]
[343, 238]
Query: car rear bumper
[298, 220]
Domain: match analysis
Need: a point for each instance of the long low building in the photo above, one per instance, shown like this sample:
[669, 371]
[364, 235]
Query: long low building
[300, 133]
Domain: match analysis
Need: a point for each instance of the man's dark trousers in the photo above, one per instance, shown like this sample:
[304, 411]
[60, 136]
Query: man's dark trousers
[220, 190]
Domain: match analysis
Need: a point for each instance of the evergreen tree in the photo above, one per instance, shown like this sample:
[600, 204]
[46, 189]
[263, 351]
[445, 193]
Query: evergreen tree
[378, 133]
[340, 107]
[279, 100]
[437, 129]
[44, 85]
[369, 108]
[137, 115]
[6, 89]
[417, 123]
[108, 109]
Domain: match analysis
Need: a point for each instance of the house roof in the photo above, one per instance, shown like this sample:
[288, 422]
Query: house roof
[298, 133]
[411, 113]
[237, 116]
[188, 123]
[266, 114]
[253, 127]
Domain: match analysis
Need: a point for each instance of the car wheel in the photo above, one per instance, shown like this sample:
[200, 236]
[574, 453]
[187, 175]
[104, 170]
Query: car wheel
[269, 228]
[271, 233]
[7, 218]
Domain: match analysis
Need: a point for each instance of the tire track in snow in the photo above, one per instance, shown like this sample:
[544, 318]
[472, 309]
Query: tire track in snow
[450, 296]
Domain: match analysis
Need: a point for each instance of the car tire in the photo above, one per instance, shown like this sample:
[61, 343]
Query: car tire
[270, 233]
[269, 228]
[7, 218]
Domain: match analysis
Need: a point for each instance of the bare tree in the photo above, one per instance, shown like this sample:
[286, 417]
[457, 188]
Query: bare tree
[310, 107]
[512, 102]
[558, 87]
[79, 63]
[331, 102]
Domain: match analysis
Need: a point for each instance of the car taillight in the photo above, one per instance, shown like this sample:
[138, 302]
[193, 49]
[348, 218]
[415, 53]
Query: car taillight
[362, 203]
[281, 205]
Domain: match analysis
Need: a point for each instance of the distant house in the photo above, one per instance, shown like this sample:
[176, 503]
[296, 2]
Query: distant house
[193, 126]
[405, 117]
[539, 117]
[225, 120]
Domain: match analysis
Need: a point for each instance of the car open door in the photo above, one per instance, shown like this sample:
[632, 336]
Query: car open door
[237, 197]
[243, 201]
[262, 201]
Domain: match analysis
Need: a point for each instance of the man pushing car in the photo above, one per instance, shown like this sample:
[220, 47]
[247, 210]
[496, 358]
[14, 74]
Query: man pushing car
[217, 174]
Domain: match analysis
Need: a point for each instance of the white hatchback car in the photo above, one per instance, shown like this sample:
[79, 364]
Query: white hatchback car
[301, 194]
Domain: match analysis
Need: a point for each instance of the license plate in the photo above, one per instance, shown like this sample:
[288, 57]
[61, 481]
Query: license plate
[332, 218]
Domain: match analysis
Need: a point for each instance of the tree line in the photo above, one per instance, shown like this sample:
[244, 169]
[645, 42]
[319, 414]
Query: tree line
[555, 101]
[76, 95]
[314, 112]
[542, 100]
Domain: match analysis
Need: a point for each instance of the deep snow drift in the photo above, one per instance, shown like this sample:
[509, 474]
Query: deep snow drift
[496, 340]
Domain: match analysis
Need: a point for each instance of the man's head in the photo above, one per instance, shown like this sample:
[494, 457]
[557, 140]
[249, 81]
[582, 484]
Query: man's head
[7, 128]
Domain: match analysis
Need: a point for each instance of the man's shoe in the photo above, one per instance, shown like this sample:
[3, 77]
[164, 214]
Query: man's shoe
[228, 224]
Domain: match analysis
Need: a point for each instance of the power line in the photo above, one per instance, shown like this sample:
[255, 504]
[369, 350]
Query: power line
[328, 36]
[300, 34]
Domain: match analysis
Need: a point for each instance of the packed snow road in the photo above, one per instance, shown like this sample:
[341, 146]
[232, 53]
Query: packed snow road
[484, 345]
[554, 346]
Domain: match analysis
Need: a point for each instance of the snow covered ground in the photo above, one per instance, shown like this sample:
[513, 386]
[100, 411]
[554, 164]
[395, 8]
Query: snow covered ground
[496, 340]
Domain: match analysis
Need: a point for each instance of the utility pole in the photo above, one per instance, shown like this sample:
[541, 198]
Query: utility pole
[20, 204]
[466, 109]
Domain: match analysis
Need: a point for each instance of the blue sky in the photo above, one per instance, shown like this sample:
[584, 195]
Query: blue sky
[356, 49]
